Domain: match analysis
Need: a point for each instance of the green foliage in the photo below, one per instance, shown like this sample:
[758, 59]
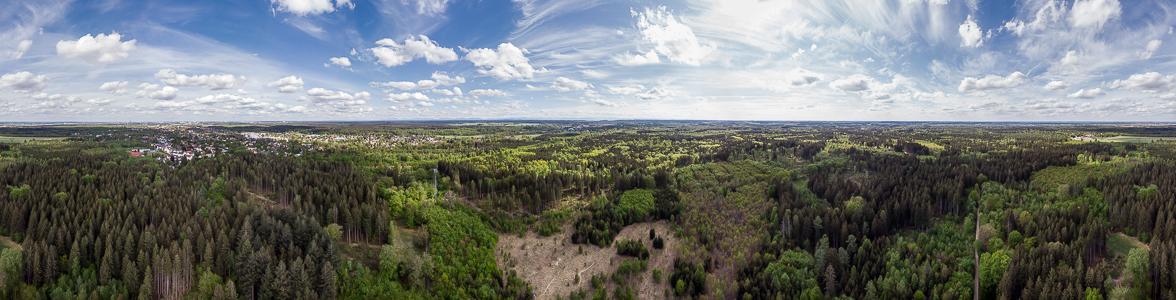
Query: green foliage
[636, 205]
[11, 261]
[633, 248]
[1138, 265]
[992, 269]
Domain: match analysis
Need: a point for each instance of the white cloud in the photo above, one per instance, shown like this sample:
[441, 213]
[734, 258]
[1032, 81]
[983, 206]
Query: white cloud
[1088, 94]
[1168, 96]
[1152, 47]
[325, 95]
[1056, 85]
[637, 59]
[1087, 13]
[1072, 59]
[341, 61]
[438, 79]
[392, 54]
[219, 98]
[21, 48]
[242, 92]
[24, 82]
[654, 94]
[1017, 27]
[563, 84]
[626, 90]
[1148, 82]
[488, 92]
[45, 96]
[100, 49]
[443, 79]
[802, 77]
[455, 92]
[426, 104]
[288, 84]
[100, 102]
[970, 34]
[853, 83]
[113, 86]
[166, 93]
[211, 82]
[406, 97]
[606, 103]
[505, 63]
[992, 82]
[674, 40]
[311, 7]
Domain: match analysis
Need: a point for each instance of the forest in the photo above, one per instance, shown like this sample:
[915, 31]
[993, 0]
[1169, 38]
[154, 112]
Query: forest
[588, 210]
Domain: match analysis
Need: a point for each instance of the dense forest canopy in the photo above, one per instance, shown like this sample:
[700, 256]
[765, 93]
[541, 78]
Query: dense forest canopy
[577, 210]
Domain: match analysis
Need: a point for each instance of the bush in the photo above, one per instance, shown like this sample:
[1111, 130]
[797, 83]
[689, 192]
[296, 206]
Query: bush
[633, 248]
[659, 243]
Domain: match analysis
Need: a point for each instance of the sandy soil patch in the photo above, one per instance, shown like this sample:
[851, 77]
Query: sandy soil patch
[551, 263]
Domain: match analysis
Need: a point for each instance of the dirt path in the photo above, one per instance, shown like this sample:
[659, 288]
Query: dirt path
[552, 263]
[976, 253]
[8, 242]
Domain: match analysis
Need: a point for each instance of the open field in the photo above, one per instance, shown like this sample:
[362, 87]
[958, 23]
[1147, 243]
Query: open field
[1136, 139]
[22, 139]
[551, 263]
[1120, 244]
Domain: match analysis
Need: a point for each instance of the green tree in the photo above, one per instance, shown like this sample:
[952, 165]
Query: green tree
[1138, 261]
[10, 271]
[388, 259]
[1093, 294]
[145, 291]
[992, 269]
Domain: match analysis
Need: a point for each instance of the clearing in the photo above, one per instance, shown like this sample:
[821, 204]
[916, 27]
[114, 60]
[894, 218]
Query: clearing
[6, 242]
[1137, 139]
[1120, 244]
[551, 263]
[22, 139]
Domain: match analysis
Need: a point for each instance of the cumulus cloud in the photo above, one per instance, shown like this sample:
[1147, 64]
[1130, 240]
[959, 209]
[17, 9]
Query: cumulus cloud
[507, 62]
[1015, 26]
[1152, 47]
[392, 54]
[340, 61]
[654, 94]
[970, 34]
[1088, 94]
[802, 77]
[674, 40]
[394, 97]
[605, 103]
[627, 90]
[455, 92]
[488, 93]
[425, 104]
[45, 96]
[97, 49]
[1056, 85]
[1094, 13]
[853, 83]
[24, 82]
[100, 102]
[325, 95]
[992, 82]
[310, 7]
[211, 82]
[21, 48]
[628, 59]
[114, 87]
[1071, 59]
[288, 84]
[166, 93]
[564, 84]
[438, 79]
[1152, 82]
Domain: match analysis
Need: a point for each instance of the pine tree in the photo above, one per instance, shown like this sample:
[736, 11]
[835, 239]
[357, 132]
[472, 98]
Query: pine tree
[145, 290]
[328, 289]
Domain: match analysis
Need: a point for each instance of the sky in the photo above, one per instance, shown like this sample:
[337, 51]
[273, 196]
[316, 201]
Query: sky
[843, 60]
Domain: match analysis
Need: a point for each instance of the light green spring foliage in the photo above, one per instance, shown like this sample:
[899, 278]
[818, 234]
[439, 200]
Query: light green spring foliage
[637, 204]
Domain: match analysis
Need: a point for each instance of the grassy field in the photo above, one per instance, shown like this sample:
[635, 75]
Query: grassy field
[1051, 177]
[1120, 244]
[1136, 139]
[22, 139]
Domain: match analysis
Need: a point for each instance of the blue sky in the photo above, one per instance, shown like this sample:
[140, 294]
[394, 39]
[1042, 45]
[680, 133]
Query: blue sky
[949, 60]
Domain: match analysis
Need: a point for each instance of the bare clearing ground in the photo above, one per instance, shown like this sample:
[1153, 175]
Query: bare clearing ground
[551, 263]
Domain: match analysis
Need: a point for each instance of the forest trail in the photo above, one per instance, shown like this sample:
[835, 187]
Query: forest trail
[976, 254]
[9, 243]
